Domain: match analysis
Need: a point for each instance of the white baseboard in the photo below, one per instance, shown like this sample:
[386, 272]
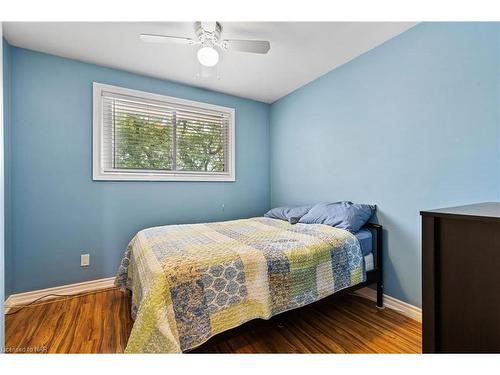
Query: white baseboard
[404, 308]
[21, 299]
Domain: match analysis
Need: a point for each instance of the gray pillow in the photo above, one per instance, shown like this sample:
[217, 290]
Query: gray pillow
[290, 214]
[343, 215]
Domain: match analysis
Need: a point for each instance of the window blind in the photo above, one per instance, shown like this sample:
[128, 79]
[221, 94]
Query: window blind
[140, 134]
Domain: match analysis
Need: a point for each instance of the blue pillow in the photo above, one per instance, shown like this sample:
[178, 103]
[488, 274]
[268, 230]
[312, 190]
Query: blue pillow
[290, 214]
[343, 215]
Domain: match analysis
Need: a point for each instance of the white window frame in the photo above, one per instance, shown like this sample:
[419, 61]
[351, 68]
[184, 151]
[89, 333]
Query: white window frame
[100, 174]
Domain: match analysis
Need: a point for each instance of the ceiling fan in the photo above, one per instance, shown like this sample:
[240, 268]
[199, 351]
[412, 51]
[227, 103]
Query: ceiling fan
[208, 36]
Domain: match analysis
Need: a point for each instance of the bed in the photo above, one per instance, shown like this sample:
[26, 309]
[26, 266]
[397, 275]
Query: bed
[190, 282]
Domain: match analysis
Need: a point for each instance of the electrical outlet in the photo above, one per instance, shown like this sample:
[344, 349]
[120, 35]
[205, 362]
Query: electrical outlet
[84, 260]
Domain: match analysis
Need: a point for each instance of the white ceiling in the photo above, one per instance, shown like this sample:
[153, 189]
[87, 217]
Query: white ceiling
[300, 51]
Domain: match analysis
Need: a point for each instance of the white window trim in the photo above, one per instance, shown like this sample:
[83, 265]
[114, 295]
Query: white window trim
[98, 172]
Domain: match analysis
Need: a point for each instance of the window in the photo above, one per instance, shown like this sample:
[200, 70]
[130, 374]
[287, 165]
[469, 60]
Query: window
[144, 136]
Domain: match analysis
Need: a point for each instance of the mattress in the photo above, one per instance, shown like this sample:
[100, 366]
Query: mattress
[364, 237]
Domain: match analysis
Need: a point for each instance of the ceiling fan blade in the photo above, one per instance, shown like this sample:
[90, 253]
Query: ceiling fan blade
[153, 38]
[252, 46]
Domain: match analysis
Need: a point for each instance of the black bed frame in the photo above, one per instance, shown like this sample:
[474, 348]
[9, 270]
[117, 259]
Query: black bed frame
[375, 276]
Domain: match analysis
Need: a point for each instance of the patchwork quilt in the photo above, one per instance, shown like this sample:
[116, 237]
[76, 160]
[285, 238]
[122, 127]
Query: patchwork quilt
[190, 282]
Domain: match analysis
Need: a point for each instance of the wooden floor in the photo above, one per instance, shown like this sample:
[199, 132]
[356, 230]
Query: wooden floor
[100, 323]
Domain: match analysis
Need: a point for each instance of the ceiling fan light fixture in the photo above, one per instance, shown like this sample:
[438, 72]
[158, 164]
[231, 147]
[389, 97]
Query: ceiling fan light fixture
[208, 37]
[208, 56]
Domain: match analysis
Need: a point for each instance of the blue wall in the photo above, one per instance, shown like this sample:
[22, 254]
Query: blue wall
[7, 161]
[58, 212]
[410, 125]
[5, 55]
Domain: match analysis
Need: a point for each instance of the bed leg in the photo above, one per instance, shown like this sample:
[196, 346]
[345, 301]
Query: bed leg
[380, 295]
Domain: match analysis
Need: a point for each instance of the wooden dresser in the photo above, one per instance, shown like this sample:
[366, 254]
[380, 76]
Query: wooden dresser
[461, 279]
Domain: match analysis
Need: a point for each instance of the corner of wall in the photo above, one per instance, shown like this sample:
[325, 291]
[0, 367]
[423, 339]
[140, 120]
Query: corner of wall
[498, 104]
[7, 79]
[269, 151]
[2, 243]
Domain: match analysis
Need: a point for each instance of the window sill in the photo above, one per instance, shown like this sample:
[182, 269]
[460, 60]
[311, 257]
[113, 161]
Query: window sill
[123, 176]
